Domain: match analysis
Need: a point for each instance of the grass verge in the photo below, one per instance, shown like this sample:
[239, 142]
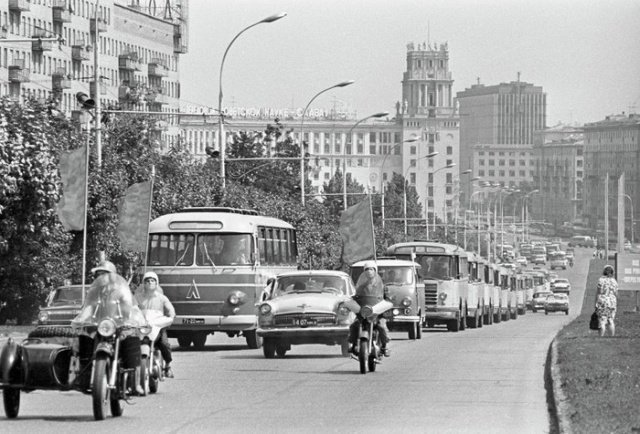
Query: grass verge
[600, 376]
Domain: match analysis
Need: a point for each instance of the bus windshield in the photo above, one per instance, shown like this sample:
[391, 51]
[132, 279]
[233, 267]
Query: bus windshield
[438, 267]
[209, 250]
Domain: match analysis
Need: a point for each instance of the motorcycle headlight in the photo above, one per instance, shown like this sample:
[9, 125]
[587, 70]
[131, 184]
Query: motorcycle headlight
[265, 309]
[406, 302]
[366, 311]
[43, 316]
[107, 328]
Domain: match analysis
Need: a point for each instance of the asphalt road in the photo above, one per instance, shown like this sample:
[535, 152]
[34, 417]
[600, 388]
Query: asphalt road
[483, 380]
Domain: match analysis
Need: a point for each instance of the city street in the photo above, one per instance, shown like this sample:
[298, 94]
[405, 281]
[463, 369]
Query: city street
[483, 380]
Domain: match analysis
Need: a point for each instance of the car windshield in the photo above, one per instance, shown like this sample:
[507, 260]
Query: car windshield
[310, 284]
[559, 297]
[561, 281]
[396, 275]
[66, 295]
[541, 294]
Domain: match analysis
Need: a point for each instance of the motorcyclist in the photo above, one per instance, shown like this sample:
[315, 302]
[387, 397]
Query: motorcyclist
[152, 298]
[110, 296]
[370, 285]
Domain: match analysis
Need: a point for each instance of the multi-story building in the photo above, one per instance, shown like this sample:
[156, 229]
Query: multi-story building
[503, 164]
[559, 174]
[506, 114]
[134, 67]
[611, 146]
[425, 122]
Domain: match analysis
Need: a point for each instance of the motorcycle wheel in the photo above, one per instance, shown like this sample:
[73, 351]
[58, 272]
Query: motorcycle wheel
[11, 398]
[145, 375]
[363, 356]
[156, 372]
[372, 362]
[99, 386]
[117, 406]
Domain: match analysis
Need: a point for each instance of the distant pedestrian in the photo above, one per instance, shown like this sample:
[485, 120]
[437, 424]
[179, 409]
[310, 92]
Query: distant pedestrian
[607, 301]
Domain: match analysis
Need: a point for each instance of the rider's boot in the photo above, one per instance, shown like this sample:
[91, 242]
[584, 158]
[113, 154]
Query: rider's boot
[385, 350]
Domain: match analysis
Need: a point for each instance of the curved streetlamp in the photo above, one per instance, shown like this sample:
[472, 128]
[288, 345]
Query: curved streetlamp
[404, 188]
[344, 153]
[222, 144]
[448, 166]
[302, 178]
[525, 214]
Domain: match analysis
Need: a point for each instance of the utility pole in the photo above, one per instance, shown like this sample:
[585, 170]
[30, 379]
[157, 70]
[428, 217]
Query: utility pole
[97, 81]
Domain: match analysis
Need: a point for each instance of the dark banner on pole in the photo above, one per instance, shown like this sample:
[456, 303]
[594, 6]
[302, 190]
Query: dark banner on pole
[356, 230]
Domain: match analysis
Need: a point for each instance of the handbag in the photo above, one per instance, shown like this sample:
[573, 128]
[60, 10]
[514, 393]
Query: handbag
[594, 323]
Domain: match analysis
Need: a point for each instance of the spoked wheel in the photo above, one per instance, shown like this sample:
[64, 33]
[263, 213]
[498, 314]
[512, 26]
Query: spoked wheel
[117, 405]
[145, 375]
[156, 372]
[363, 356]
[11, 398]
[100, 390]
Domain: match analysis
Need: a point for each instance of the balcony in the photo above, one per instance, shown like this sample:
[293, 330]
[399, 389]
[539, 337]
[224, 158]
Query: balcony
[60, 15]
[18, 73]
[101, 24]
[92, 89]
[19, 6]
[179, 45]
[157, 68]
[80, 52]
[156, 95]
[129, 62]
[40, 45]
[177, 30]
[59, 81]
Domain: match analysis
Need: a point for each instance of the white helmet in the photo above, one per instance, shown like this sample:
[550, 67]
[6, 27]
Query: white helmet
[150, 275]
[370, 264]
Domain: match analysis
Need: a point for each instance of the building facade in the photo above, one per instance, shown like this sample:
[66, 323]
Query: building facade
[425, 122]
[611, 147]
[135, 66]
[506, 114]
[559, 174]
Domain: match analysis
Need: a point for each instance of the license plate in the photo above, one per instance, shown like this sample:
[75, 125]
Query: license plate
[192, 320]
[304, 322]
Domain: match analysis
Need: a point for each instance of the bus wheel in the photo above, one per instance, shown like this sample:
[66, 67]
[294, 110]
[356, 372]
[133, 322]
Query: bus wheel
[184, 340]
[453, 325]
[199, 339]
[253, 340]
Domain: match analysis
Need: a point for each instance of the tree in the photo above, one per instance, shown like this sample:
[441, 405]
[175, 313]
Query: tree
[334, 193]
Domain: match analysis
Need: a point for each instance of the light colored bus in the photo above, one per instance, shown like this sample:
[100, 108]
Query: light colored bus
[213, 264]
[476, 295]
[445, 274]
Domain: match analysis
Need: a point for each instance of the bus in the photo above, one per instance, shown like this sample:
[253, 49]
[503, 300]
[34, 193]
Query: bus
[445, 273]
[476, 295]
[213, 264]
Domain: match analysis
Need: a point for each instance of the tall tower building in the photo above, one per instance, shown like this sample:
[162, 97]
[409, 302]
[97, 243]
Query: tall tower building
[505, 116]
[430, 124]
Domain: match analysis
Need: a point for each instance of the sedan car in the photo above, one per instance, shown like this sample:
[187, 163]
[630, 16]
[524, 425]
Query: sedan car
[561, 284]
[540, 300]
[63, 304]
[522, 260]
[305, 307]
[557, 303]
[539, 259]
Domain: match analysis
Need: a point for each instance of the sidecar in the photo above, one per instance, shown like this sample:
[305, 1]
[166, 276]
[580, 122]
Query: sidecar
[38, 363]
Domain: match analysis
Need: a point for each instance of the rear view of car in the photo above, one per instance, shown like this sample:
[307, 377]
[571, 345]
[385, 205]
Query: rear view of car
[540, 300]
[557, 303]
[561, 285]
[63, 304]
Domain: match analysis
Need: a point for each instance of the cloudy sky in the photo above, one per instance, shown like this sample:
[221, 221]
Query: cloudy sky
[584, 53]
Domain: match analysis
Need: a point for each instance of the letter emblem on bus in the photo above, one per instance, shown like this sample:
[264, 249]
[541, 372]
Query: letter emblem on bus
[193, 291]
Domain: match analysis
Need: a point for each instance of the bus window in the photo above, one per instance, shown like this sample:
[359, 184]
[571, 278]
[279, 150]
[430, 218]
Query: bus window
[171, 249]
[262, 245]
[435, 267]
[223, 249]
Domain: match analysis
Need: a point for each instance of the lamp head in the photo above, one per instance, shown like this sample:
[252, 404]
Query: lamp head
[85, 102]
[379, 115]
[273, 18]
[344, 83]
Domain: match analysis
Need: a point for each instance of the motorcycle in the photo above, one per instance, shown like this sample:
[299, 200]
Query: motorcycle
[152, 364]
[369, 347]
[90, 359]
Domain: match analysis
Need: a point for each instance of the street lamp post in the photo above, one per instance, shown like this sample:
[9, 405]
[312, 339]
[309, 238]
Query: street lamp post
[384, 160]
[302, 178]
[222, 144]
[456, 210]
[344, 153]
[525, 215]
[477, 222]
[632, 235]
[404, 190]
[448, 166]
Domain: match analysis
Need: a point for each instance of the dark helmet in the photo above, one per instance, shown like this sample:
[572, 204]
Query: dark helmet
[608, 271]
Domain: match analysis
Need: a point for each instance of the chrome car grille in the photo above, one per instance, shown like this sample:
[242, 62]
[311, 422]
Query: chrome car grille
[294, 319]
[430, 294]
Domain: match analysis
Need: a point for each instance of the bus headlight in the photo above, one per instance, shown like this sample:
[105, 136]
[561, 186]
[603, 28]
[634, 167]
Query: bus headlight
[107, 328]
[236, 297]
[265, 309]
[442, 296]
[406, 302]
[43, 316]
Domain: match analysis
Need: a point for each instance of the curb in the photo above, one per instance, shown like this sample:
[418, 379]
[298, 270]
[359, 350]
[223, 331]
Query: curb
[561, 402]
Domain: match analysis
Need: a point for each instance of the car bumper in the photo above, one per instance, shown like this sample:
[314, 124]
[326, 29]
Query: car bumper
[444, 313]
[214, 322]
[310, 333]
[404, 319]
[556, 308]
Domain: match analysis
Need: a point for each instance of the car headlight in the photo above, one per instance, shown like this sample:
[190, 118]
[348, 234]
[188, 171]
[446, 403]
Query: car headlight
[107, 328]
[343, 310]
[406, 302]
[43, 316]
[396, 311]
[265, 309]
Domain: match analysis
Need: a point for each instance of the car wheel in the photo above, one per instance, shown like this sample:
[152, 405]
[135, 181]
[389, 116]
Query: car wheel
[281, 350]
[269, 348]
[566, 312]
[546, 312]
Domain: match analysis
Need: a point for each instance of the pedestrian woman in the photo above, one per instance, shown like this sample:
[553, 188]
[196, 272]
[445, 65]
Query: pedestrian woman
[607, 301]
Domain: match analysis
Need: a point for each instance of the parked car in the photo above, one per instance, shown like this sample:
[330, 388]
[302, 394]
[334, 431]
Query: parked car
[540, 300]
[557, 303]
[406, 292]
[582, 241]
[522, 260]
[63, 304]
[561, 284]
[539, 259]
[305, 307]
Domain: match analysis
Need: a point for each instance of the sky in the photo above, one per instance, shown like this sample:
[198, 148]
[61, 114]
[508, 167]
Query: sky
[585, 54]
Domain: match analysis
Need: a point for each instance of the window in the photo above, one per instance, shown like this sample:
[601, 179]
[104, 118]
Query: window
[430, 179]
[523, 163]
[397, 137]
[523, 173]
[449, 162]
[492, 173]
[481, 162]
[337, 148]
[480, 172]
[327, 148]
[412, 163]
[449, 178]
[360, 148]
[448, 189]
[501, 162]
[512, 173]
[430, 193]
[430, 160]
[372, 149]
[412, 178]
[492, 162]
[501, 173]
[449, 150]
[372, 137]
[412, 150]
[512, 162]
